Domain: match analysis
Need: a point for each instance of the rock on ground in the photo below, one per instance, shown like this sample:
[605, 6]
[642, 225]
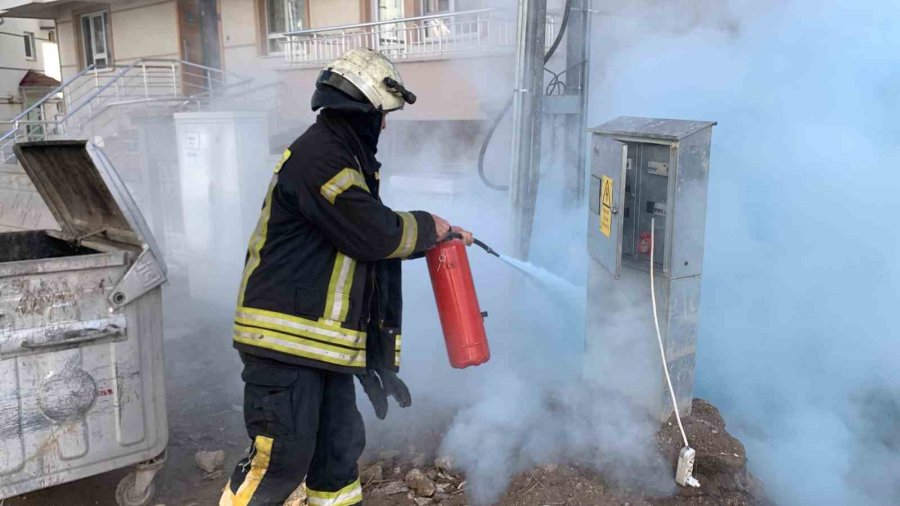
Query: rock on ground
[210, 462]
[421, 484]
[298, 498]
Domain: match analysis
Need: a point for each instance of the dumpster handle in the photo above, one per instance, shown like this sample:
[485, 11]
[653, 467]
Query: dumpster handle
[80, 337]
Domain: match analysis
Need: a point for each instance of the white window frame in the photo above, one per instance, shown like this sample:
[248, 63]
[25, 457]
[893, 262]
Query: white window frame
[273, 36]
[30, 46]
[88, 38]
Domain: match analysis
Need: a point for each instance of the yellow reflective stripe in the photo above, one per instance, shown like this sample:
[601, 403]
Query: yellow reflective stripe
[293, 325]
[259, 464]
[293, 345]
[284, 158]
[338, 302]
[351, 494]
[330, 349]
[257, 240]
[408, 238]
[397, 342]
[288, 333]
[328, 326]
[342, 182]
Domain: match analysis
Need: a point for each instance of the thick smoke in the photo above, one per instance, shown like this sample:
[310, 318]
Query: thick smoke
[527, 406]
[797, 346]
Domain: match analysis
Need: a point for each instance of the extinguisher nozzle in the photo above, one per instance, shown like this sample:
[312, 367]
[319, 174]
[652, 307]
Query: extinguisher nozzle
[485, 247]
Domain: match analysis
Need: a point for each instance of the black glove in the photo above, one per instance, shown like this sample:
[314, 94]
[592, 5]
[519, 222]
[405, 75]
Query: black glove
[379, 384]
[396, 388]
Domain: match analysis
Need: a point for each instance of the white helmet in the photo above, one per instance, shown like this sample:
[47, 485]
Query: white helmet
[372, 76]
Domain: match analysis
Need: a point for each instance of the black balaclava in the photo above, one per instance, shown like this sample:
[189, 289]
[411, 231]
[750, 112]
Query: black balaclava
[361, 117]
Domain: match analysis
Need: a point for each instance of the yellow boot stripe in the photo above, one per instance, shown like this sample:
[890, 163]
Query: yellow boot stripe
[351, 494]
[259, 464]
[227, 498]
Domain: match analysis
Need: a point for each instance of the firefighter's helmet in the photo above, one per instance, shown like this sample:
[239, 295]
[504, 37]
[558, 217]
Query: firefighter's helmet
[368, 75]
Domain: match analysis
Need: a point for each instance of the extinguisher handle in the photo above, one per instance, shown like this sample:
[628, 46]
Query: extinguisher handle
[450, 236]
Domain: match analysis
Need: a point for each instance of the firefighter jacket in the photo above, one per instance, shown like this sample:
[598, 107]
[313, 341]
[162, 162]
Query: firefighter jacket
[321, 285]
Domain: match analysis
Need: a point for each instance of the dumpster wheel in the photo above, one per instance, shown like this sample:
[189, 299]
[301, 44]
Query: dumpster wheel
[137, 487]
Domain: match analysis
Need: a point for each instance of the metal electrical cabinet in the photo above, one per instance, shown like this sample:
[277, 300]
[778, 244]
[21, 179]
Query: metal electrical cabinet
[645, 171]
[225, 168]
[81, 337]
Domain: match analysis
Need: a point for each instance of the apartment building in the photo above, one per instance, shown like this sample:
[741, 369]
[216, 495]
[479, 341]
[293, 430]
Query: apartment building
[29, 63]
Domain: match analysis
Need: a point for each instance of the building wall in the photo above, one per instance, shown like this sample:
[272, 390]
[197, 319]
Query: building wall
[242, 41]
[14, 65]
[243, 36]
[138, 29]
[324, 13]
[456, 89]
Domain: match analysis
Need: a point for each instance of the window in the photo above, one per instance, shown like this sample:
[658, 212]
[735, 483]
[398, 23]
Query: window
[283, 16]
[388, 10]
[95, 39]
[30, 50]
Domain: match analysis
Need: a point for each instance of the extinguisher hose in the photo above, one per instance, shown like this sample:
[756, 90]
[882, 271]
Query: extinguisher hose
[662, 350]
[485, 247]
[480, 244]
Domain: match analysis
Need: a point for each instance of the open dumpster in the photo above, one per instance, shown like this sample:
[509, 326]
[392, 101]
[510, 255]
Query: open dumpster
[81, 334]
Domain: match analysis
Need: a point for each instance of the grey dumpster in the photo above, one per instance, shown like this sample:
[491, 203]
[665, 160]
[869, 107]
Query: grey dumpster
[81, 363]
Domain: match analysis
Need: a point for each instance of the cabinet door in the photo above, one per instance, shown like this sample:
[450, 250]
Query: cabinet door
[607, 202]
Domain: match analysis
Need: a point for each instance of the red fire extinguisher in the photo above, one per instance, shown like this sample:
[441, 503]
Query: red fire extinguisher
[457, 303]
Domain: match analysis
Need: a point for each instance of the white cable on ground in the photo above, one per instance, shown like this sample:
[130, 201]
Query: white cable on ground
[662, 351]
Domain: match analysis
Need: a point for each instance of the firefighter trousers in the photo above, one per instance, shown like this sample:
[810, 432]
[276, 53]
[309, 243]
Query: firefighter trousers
[303, 424]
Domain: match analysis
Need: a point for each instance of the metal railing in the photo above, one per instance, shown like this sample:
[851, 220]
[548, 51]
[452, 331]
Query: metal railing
[410, 38]
[88, 96]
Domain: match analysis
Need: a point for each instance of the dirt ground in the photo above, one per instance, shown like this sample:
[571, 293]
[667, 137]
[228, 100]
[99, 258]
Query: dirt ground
[721, 468]
[205, 414]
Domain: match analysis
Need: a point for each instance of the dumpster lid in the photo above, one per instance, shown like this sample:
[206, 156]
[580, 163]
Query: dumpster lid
[84, 192]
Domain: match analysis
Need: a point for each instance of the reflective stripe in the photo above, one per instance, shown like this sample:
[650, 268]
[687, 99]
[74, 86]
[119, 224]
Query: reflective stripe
[284, 158]
[298, 346]
[397, 342]
[338, 302]
[351, 494]
[258, 239]
[408, 238]
[259, 464]
[329, 332]
[342, 182]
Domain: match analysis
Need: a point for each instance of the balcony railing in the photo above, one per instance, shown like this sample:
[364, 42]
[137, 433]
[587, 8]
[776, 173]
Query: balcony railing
[92, 93]
[410, 38]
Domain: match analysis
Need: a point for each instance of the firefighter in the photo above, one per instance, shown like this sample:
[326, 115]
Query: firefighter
[320, 298]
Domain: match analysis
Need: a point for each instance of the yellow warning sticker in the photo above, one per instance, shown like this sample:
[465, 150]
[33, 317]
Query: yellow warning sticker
[606, 194]
[605, 220]
[606, 200]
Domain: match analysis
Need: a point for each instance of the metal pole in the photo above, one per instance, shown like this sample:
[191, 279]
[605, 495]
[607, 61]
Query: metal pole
[578, 50]
[144, 73]
[526, 146]
[174, 80]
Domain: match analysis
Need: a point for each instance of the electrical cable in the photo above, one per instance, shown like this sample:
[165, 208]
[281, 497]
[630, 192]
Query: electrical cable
[490, 133]
[662, 351]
